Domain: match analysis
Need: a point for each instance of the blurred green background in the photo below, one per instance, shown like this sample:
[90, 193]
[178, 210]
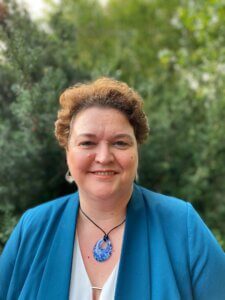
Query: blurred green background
[172, 52]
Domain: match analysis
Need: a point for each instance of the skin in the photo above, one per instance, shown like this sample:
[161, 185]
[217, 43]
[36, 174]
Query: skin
[102, 157]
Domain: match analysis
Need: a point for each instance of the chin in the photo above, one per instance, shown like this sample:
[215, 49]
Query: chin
[104, 193]
[108, 191]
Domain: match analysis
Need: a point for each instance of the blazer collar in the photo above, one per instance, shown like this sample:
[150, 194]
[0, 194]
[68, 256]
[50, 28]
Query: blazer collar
[55, 282]
[133, 280]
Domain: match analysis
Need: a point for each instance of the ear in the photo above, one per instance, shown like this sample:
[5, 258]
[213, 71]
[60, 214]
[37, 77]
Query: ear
[66, 155]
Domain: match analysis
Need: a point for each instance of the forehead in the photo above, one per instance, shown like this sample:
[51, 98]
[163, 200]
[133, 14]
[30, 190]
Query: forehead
[99, 119]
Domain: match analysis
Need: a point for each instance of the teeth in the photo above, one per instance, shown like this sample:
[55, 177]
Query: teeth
[104, 173]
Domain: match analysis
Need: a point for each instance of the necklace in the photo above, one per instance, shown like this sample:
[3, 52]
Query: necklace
[103, 248]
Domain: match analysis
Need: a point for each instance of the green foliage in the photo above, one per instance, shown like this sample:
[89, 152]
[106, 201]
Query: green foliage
[34, 72]
[8, 220]
[172, 53]
[120, 39]
[187, 148]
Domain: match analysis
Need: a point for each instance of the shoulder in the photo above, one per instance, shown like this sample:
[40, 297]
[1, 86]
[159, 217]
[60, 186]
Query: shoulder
[171, 213]
[39, 224]
[177, 224]
[179, 216]
[164, 214]
[162, 203]
[48, 211]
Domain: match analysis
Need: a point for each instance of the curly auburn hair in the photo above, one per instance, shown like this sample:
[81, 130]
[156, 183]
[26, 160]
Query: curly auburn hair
[103, 92]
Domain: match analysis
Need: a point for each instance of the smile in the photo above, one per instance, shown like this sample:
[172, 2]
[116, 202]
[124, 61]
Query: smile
[104, 173]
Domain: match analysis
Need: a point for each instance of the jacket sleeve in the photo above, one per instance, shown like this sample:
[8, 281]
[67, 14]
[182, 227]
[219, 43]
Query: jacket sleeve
[207, 260]
[8, 259]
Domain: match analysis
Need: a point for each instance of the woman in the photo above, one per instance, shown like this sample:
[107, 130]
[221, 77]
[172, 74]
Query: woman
[112, 239]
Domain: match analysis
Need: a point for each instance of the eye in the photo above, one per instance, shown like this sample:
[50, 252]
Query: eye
[86, 144]
[121, 144]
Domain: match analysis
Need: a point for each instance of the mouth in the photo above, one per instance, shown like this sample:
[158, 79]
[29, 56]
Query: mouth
[104, 173]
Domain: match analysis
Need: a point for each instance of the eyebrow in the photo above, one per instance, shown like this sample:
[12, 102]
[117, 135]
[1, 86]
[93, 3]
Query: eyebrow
[123, 135]
[86, 135]
[120, 135]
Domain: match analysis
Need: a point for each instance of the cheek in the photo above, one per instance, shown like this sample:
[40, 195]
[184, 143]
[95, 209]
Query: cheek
[130, 161]
[79, 161]
[90, 156]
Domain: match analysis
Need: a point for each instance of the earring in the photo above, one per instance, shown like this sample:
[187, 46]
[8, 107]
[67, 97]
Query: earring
[136, 177]
[68, 177]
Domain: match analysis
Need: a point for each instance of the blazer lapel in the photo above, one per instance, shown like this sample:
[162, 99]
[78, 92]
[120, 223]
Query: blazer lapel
[55, 281]
[134, 271]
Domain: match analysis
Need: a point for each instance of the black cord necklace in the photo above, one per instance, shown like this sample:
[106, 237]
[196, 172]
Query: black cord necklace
[102, 253]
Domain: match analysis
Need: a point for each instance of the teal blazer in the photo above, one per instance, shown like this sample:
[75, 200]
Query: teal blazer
[168, 253]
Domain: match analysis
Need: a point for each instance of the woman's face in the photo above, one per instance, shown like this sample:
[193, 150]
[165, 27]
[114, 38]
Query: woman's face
[102, 153]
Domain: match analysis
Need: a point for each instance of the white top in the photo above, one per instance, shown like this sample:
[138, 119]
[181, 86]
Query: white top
[80, 285]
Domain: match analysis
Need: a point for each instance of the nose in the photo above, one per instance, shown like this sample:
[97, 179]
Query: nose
[104, 154]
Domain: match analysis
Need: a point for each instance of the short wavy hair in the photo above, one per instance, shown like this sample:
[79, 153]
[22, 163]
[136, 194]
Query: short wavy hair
[103, 92]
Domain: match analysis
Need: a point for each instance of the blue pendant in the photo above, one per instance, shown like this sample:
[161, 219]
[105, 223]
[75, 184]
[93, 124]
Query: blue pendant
[102, 249]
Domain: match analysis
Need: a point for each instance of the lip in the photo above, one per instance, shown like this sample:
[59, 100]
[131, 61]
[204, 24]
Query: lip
[104, 173]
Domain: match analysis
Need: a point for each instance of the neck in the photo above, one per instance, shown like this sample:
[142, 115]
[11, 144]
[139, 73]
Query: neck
[107, 210]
